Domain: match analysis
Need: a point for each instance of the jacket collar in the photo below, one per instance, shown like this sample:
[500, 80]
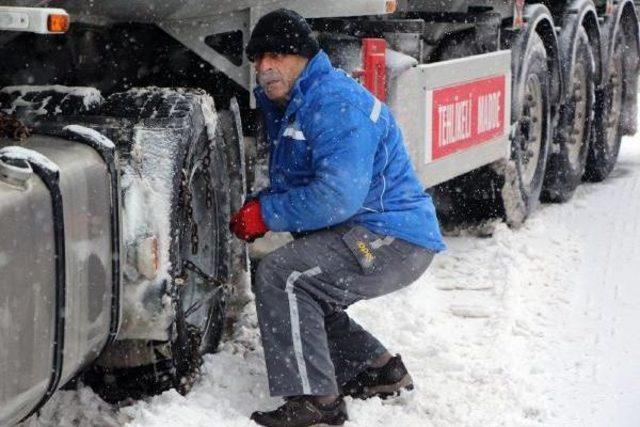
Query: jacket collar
[316, 67]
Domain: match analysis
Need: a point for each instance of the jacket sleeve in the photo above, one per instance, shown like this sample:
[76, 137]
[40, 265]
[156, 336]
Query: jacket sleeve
[343, 143]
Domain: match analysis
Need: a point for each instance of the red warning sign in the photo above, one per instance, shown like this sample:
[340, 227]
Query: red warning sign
[468, 114]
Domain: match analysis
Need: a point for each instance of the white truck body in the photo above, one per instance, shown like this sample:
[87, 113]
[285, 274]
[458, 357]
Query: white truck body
[455, 116]
[411, 94]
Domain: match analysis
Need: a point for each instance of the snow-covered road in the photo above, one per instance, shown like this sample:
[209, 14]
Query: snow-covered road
[536, 326]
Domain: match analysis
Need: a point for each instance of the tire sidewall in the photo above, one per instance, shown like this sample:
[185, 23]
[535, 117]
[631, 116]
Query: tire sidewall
[602, 157]
[562, 177]
[219, 214]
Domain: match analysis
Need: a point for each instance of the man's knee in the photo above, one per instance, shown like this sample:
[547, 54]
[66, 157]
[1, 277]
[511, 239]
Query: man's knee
[270, 274]
[335, 319]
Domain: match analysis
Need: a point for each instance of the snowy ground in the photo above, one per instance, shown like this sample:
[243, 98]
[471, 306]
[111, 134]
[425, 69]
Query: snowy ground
[535, 326]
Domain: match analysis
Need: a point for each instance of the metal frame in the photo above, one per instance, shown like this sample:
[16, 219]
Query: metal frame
[242, 15]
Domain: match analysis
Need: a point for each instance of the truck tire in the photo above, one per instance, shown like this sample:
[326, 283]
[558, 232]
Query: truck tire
[230, 124]
[566, 167]
[199, 248]
[605, 144]
[201, 226]
[520, 193]
[201, 306]
[230, 135]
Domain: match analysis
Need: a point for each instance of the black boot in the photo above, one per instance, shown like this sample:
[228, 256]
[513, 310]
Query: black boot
[303, 411]
[386, 381]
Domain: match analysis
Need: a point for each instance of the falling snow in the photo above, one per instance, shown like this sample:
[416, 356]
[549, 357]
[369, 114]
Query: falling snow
[534, 326]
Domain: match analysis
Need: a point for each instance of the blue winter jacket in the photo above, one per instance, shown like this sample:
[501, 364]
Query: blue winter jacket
[337, 155]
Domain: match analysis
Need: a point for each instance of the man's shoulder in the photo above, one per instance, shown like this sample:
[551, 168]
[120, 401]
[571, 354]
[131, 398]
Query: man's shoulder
[337, 90]
[334, 84]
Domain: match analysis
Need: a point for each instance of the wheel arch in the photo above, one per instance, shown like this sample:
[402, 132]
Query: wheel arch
[539, 21]
[625, 18]
[582, 13]
[624, 14]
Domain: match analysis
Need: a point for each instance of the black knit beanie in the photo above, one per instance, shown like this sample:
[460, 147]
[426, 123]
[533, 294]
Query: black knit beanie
[282, 31]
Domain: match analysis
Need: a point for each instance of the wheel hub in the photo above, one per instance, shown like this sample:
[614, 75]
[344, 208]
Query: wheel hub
[530, 129]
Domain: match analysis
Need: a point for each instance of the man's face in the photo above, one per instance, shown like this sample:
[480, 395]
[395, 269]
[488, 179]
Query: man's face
[277, 73]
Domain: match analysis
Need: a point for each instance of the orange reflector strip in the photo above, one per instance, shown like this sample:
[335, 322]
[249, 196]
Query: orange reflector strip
[58, 23]
[391, 6]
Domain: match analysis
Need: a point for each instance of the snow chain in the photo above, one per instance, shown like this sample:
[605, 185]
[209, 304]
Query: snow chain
[206, 164]
[210, 280]
[187, 197]
[189, 371]
[10, 127]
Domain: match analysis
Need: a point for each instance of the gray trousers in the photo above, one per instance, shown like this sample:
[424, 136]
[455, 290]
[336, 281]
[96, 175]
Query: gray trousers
[311, 345]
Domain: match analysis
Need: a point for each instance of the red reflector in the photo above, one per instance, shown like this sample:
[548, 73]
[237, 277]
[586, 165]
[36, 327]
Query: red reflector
[375, 67]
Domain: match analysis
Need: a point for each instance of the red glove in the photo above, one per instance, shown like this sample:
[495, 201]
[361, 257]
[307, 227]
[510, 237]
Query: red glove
[247, 223]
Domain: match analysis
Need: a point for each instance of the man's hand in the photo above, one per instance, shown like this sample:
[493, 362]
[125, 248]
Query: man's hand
[248, 223]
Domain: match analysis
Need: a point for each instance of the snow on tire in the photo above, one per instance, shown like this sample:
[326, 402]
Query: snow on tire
[175, 188]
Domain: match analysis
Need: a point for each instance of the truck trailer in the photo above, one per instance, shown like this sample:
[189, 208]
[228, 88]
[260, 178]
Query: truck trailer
[129, 138]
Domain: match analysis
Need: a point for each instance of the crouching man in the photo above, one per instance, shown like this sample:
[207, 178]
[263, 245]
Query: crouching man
[341, 181]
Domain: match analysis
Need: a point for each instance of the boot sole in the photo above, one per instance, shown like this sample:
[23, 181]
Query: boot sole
[338, 420]
[388, 390]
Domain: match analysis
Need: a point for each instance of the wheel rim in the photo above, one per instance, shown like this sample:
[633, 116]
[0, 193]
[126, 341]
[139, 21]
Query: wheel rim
[580, 94]
[615, 110]
[530, 130]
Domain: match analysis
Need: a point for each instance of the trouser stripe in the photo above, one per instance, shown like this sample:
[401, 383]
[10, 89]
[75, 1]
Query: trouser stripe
[375, 112]
[295, 325]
